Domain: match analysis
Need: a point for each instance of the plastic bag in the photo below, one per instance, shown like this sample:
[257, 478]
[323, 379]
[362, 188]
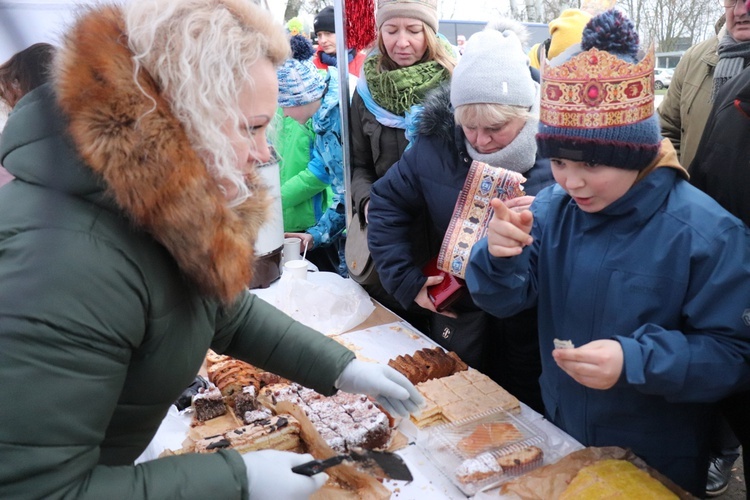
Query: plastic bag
[325, 302]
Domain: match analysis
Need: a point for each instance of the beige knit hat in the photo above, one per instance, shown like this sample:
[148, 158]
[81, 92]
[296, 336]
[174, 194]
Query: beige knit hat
[424, 10]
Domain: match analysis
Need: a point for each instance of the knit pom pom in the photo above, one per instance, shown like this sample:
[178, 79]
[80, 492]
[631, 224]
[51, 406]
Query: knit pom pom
[294, 26]
[302, 47]
[503, 24]
[613, 32]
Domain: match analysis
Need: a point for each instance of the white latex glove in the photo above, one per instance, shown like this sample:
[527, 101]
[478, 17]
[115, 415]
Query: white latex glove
[386, 385]
[270, 476]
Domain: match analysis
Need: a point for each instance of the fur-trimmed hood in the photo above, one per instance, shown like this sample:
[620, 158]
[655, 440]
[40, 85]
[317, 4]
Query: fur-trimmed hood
[146, 161]
[437, 119]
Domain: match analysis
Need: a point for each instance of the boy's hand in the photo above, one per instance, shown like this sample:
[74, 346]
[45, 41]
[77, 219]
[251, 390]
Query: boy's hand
[306, 238]
[520, 203]
[596, 365]
[508, 231]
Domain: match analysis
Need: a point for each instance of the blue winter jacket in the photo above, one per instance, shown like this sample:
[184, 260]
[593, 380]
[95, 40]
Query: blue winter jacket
[665, 271]
[328, 163]
[427, 180]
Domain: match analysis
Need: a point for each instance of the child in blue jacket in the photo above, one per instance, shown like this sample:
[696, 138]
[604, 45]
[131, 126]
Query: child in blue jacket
[309, 144]
[646, 276]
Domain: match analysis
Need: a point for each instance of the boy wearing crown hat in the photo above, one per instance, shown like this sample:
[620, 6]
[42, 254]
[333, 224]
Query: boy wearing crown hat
[648, 277]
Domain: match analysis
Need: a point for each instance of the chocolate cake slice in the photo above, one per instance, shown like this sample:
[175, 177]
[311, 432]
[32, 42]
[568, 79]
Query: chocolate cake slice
[245, 401]
[208, 404]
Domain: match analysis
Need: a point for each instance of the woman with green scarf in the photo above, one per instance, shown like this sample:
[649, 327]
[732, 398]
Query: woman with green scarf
[410, 61]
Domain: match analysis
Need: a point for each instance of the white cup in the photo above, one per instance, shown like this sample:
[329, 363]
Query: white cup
[292, 247]
[296, 269]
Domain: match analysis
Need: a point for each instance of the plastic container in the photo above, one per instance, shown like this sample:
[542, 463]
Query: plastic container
[470, 452]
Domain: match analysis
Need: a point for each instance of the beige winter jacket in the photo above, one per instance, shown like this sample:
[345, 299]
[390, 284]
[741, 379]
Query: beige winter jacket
[685, 108]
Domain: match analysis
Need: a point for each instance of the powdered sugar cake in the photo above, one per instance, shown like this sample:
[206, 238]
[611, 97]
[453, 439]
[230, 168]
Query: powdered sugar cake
[343, 420]
[487, 465]
[461, 396]
[208, 404]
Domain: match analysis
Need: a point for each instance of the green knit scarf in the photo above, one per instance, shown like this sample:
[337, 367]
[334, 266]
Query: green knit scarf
[398, 90]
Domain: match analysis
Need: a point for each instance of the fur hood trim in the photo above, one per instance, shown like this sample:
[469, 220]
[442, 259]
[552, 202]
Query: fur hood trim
[149, 168]
[437, 118]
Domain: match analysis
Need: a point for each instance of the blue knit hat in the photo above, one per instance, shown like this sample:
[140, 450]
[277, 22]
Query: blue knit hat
[300, 82]
[598, 105]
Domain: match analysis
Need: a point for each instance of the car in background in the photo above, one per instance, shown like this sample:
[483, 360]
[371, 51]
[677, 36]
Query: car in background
[662, 78]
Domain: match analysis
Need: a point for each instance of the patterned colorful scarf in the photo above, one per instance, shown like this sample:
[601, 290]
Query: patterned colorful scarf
[400, 89]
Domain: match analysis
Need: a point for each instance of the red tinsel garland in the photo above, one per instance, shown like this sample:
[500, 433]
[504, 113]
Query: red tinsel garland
[360, 23]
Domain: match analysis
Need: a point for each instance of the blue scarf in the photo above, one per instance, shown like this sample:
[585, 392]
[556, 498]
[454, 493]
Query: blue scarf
[332, 60]
[408, 123]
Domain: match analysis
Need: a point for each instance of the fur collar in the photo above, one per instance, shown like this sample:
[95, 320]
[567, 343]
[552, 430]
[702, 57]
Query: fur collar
[146, 160]
[437, 118]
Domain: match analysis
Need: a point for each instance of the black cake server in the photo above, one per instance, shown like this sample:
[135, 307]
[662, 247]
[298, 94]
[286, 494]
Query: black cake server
[381, 464]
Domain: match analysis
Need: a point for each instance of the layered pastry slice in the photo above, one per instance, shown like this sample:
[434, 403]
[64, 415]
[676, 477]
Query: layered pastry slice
[280, 432]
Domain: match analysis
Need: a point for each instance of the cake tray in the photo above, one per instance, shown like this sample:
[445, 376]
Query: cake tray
[470, 451]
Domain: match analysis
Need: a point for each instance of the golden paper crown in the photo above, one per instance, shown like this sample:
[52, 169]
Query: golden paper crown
[597, 89]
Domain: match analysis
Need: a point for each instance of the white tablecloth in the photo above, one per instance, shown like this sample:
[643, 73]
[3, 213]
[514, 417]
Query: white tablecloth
[380, 343]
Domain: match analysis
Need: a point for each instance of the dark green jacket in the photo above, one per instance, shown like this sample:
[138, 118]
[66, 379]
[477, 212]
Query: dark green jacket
[102, 327]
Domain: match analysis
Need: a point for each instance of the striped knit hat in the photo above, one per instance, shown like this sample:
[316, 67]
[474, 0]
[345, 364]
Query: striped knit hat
[598, 105]
[300, 82]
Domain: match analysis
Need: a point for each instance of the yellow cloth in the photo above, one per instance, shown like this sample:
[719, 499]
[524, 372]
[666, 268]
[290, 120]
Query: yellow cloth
[534, 56]
[566, 30]
[615, 479]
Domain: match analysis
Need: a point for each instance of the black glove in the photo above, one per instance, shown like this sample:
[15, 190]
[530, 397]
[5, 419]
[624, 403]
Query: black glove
[186, 398]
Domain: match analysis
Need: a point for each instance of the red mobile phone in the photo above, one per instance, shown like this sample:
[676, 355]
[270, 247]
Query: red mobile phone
[444, 294]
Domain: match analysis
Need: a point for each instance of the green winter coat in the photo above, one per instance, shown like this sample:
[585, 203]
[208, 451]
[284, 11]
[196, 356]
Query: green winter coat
[113, 288]
[304, 197]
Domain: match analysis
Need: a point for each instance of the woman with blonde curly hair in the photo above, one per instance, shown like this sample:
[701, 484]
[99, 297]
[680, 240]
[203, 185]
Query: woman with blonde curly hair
[126, 248]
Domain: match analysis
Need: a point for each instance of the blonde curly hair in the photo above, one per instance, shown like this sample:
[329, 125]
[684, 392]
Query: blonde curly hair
[200, 53]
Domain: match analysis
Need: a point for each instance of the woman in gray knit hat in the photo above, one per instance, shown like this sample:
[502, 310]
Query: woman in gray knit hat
[488, 113]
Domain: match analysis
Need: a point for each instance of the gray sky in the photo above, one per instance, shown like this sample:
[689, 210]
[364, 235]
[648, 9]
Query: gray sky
[25, 22]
